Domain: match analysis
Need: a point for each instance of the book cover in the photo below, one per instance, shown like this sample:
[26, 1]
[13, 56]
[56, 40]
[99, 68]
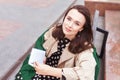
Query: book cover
[36, 55]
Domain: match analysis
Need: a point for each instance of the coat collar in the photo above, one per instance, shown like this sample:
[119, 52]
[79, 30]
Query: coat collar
[51, 42]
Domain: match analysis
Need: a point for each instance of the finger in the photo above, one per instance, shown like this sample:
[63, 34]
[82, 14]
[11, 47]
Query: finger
[44, 61]
[36, 72]
[36, 64]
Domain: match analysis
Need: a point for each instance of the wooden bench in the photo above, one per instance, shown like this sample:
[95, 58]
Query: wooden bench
[100, 37]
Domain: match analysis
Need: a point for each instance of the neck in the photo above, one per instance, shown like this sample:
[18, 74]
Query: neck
[70, 37]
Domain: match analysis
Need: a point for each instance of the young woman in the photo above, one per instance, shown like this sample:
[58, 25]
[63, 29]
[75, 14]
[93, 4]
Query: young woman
[70, 54]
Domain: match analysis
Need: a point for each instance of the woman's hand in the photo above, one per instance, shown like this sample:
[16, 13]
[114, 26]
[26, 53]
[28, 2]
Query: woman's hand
[44, 69]
[44, 61]
[41, 68]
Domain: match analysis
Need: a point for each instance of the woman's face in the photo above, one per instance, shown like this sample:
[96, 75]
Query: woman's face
[73, 23]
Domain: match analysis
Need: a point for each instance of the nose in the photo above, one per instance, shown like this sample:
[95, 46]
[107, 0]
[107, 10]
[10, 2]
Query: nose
[70, 24]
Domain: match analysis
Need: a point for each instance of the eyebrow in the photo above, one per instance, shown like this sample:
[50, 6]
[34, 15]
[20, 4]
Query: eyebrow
[72, 18]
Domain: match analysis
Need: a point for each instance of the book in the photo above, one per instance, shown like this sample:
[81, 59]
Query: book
[36, 55]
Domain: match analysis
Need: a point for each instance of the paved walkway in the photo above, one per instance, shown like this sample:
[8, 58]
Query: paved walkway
[15, 14]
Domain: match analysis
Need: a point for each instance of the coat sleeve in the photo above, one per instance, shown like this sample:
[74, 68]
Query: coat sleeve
[84, 67]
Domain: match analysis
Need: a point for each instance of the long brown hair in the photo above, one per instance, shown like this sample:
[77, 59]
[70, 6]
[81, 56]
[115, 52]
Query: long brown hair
[83, 39]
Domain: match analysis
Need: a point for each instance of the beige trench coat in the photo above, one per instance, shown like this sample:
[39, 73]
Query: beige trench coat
[75, 67]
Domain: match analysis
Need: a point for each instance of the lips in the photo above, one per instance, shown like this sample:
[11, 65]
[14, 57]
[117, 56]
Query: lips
[67, 29]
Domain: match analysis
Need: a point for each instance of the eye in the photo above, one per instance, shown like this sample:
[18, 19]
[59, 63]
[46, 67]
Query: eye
[68, 18]
[77, 23]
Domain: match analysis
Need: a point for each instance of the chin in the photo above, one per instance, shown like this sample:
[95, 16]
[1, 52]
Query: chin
[66, 33]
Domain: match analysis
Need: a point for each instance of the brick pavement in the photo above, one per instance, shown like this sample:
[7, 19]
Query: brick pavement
[30, 3]
[7, 27]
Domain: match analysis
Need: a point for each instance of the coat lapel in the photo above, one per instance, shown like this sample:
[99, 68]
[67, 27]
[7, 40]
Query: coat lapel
[48, 44]
[66, 55]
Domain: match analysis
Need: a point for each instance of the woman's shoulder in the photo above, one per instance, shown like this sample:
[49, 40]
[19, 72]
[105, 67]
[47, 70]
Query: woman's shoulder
[90, 50]
[48, 33]
[86, 53]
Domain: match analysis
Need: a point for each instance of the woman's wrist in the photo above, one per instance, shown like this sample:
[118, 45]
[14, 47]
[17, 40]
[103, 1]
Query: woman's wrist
[57, 72]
